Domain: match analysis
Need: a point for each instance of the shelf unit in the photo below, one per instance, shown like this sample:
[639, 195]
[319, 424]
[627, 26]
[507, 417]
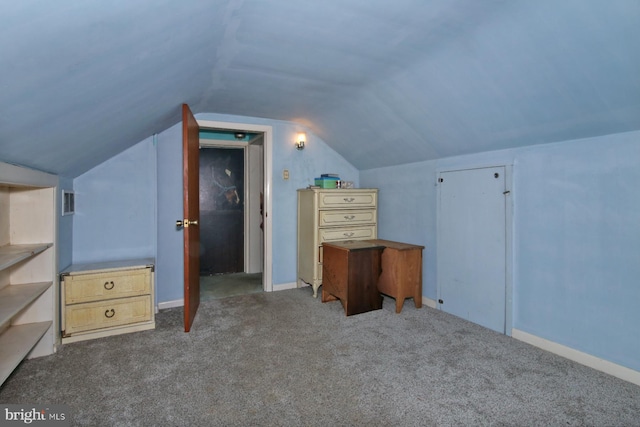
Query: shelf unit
[28, 263]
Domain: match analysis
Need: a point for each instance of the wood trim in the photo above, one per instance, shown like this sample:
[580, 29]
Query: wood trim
[267, 270]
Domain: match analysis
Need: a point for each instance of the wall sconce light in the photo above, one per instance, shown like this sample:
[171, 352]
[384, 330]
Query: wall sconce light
[302, 137]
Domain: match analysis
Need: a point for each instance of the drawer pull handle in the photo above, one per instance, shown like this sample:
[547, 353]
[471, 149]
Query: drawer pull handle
[348, 199]
[109, 285]
[348, 234]
[349, 217]
[109, 313]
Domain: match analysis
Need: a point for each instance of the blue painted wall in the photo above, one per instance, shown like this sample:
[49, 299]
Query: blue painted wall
[576, 236]
[115, 207]
[407, 210]
[578, 245]
[169, 255]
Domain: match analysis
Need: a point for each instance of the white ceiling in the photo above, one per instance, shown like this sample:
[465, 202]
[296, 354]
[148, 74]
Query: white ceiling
[382, 82]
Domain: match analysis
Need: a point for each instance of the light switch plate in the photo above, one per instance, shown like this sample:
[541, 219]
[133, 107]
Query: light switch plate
[285, 174]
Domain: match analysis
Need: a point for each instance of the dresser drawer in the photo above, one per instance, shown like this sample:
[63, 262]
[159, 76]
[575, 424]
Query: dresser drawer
[347, 217]
[104, 314]
[345, 199]
[99, 286]
[347, 233]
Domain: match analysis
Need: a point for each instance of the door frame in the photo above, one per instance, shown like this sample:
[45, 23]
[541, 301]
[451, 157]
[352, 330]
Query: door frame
[267, 131]
[509, 235]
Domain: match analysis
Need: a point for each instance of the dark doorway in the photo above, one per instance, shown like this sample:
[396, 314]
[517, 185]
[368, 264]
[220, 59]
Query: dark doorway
[221, 210]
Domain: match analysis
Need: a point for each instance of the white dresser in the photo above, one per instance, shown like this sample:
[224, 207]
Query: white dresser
[330, 215]
[107, 298]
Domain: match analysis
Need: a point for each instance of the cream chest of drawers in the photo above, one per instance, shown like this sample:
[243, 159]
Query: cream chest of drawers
[107, 298]
[330, 215]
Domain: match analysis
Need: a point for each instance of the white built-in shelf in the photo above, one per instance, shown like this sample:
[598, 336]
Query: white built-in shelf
[13, 299]
[16, 343]
[13, 254]
[29, 315]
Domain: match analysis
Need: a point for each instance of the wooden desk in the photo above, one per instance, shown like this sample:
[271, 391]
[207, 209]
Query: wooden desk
[350, 271]
[401, 272]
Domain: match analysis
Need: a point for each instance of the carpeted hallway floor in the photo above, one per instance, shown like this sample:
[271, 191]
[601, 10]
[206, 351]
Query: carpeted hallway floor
[227, 285]
[286, 359]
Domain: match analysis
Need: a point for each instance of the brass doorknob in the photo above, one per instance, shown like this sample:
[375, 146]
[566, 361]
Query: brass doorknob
[185, 223]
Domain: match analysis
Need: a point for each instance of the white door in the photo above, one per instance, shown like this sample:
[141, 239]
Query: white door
[471, 250]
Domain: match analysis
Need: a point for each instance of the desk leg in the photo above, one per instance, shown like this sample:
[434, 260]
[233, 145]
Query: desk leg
[326, 296]
[417, 299]
[417, 293]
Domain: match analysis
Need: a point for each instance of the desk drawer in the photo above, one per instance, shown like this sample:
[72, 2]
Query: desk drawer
[345, 199]
[347, 233]
[347, 217]
[104, 314]
[99, 286]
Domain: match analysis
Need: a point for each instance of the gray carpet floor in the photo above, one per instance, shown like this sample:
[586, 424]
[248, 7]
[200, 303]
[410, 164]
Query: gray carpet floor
[286, 359]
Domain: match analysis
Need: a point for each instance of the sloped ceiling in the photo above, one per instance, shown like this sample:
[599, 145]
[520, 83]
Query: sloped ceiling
[382, 82]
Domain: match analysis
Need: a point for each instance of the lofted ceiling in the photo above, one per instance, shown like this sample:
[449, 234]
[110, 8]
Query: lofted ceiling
[382, 82]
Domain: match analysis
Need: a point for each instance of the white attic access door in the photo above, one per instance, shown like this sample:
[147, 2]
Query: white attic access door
[474, 250]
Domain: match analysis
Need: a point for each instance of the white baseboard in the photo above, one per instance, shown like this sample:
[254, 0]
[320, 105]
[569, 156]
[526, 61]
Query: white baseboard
[429, 302]
[171, 304]
[586, 359]
[284, 286]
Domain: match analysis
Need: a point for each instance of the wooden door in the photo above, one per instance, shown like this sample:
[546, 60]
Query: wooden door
[471, 251]
[190, 166]
[221, 210]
